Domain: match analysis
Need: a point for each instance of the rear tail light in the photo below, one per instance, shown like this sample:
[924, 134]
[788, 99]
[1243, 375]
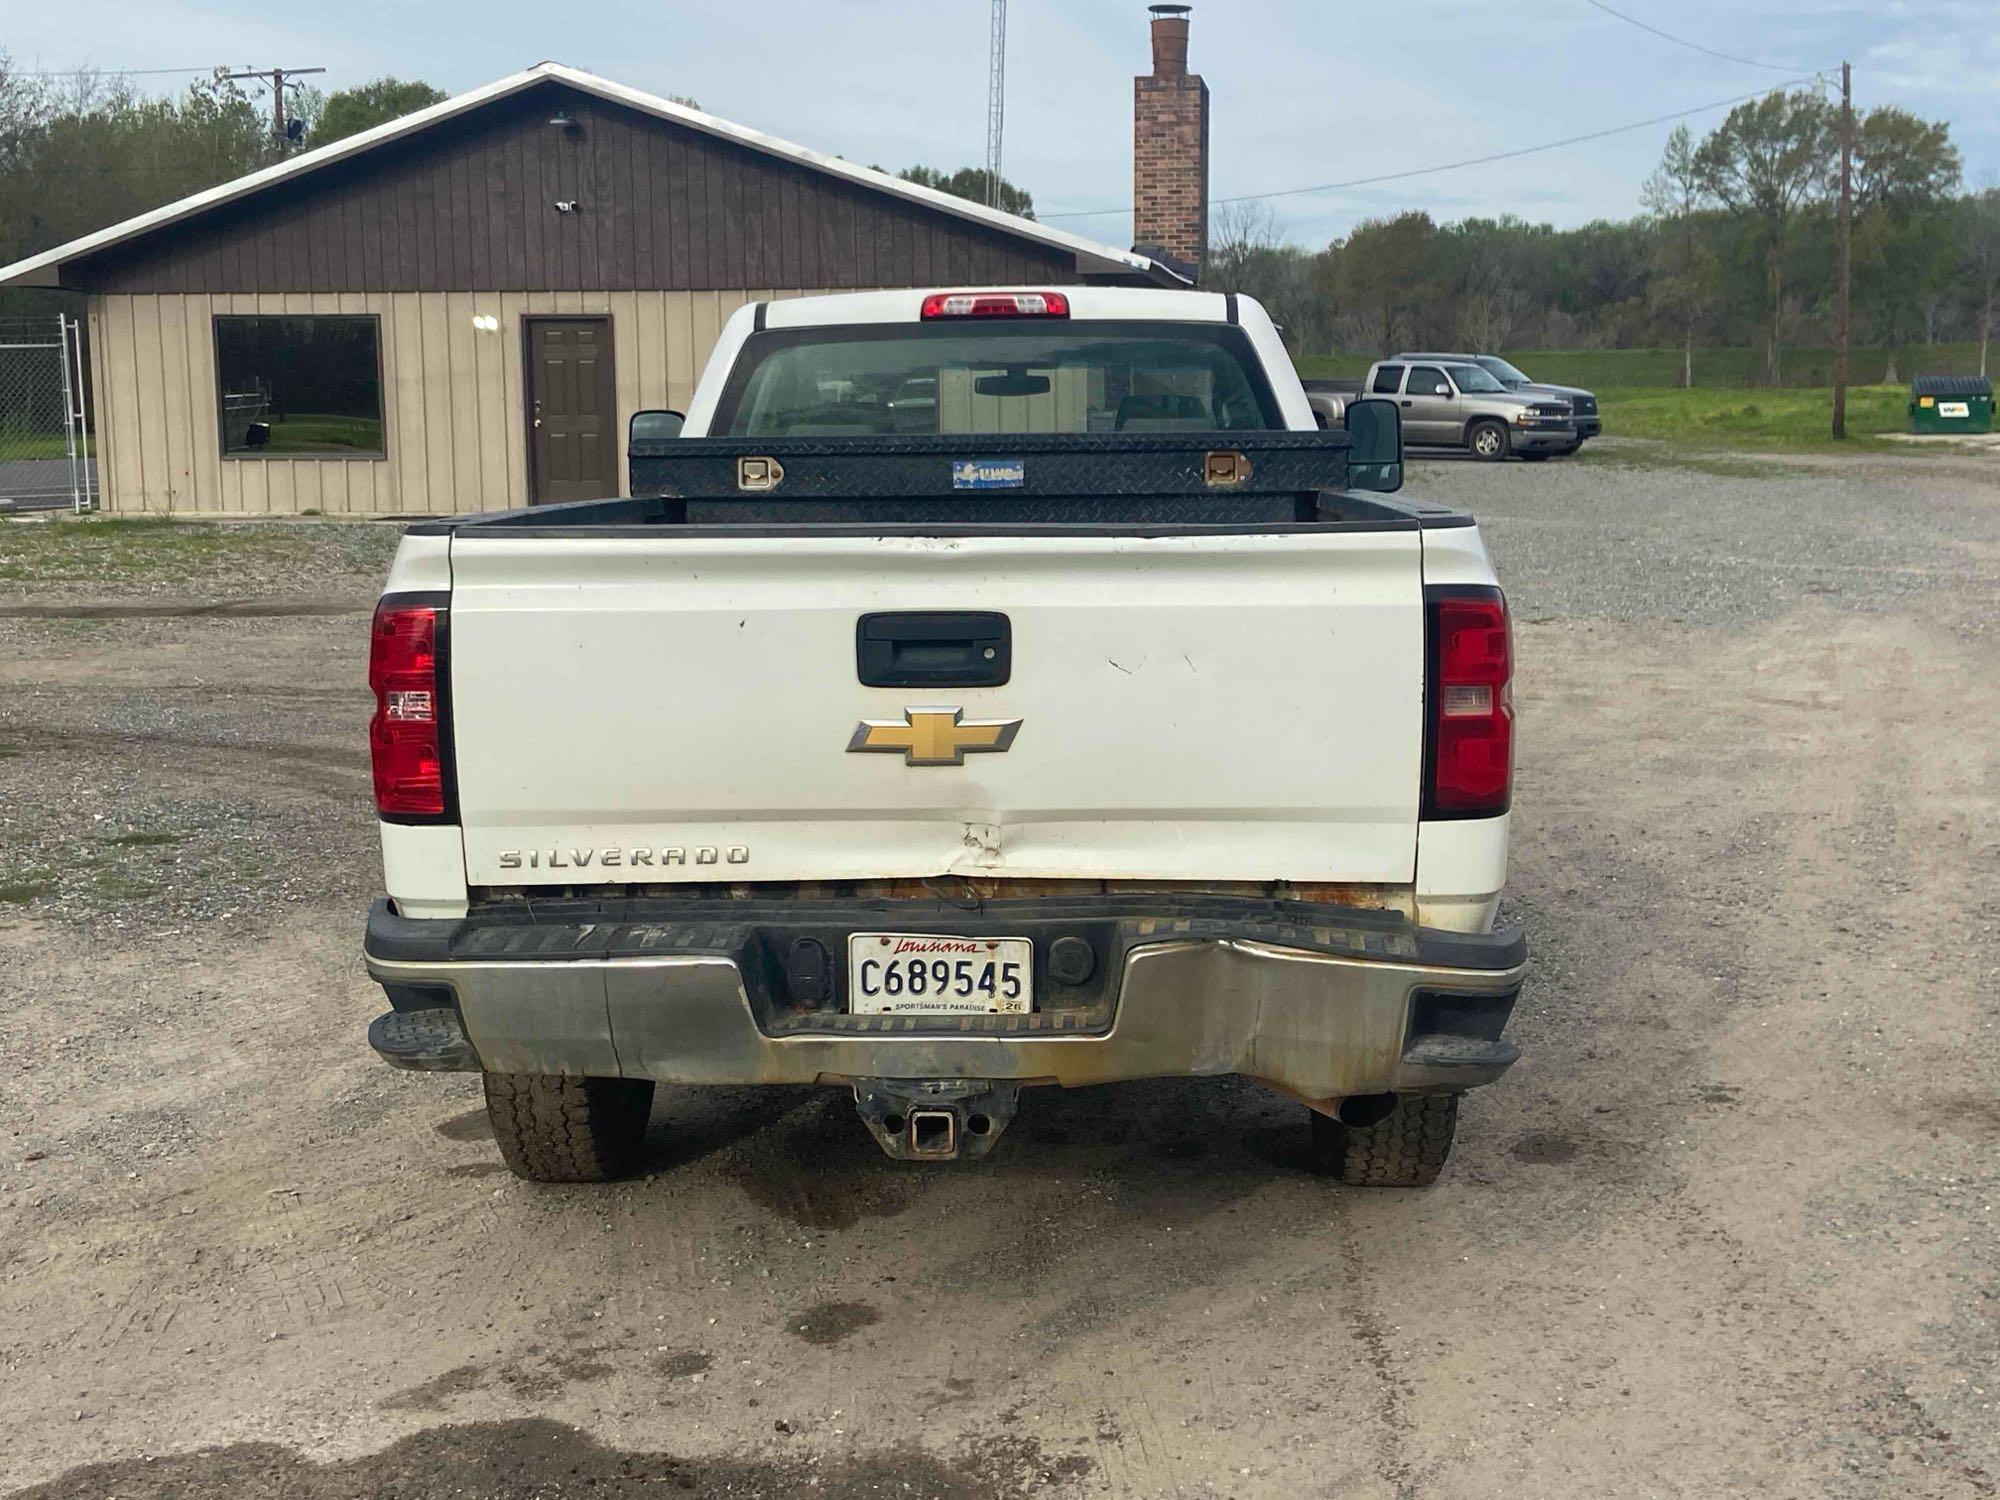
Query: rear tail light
[1469, 767]
[996, 305]
[406, 738]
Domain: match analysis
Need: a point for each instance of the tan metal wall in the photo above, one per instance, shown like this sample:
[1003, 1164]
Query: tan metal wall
[451, 395]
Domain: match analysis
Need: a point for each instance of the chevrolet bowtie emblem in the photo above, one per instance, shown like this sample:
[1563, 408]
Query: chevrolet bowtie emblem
[934, 736]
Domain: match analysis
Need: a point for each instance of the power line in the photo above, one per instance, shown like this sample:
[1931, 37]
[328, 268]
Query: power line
[1471, 161]
[1683, 42]
[282, 131]
[89, 72]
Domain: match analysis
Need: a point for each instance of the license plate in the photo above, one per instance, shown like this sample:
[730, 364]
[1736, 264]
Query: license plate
[921, 973]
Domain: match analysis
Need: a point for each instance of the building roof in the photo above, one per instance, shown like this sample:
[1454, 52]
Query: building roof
[1091, 256]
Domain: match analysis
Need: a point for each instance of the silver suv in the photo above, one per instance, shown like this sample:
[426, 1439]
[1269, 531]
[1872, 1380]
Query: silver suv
[1457, 404]
[1582, 402]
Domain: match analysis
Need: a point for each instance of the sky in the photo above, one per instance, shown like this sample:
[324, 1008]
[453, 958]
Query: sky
[1304, 92]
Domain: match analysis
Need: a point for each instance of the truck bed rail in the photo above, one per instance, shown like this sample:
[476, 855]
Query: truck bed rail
[1241, 480]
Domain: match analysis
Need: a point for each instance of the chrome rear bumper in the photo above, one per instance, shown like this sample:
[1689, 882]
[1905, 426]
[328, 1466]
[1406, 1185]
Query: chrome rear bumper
[1397, 1013]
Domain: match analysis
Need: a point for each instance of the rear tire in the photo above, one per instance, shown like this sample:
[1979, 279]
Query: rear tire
[1488, 441]
[557, 1129]
[1406, 1148]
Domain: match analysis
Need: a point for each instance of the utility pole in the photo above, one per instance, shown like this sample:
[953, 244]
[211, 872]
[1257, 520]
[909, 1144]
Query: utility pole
[1846, 228]
[996, 102]
[276, 77]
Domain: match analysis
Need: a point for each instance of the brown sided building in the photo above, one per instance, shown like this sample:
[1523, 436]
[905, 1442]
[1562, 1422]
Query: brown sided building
[461, 310]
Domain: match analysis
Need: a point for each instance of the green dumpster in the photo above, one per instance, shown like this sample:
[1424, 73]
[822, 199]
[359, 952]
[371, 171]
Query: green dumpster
[1951, 403]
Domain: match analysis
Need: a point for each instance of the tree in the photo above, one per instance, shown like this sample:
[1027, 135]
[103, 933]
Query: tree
[1978, 235]
[1685, 287]
[970, 183]
[1485, 267]
[1246, 253]
[1902, 163]
[87, 154]
[1768, 161]
[1905, 170]
[1386, 276]
[367, 105]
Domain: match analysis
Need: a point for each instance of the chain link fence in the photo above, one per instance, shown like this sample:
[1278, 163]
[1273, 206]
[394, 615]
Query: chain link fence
[45, 459]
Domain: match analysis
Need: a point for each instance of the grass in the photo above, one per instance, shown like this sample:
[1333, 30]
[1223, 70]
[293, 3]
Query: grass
[312, 432]
[93, 549]
[9, 752]
[100, 871]
[1657, 369]
[16, 445]
[114, 885]
[1768, 420]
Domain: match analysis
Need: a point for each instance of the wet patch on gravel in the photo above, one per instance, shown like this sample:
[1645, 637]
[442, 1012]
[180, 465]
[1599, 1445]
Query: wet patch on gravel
[434, 1394]
[680, 1364]
[832, 1322]
[549, 1461]
[817, 1168]
[472, 1125]
[1543, 1148]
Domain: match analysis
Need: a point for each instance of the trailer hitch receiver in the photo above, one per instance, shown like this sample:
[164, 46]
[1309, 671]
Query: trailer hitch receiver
[936, 1119]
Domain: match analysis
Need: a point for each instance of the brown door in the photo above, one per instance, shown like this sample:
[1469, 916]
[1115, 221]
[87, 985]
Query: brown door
[572, 411]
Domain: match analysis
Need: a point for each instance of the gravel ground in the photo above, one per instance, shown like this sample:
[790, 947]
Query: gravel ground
[1728, 1226]
[51, 560]
[1627, 536]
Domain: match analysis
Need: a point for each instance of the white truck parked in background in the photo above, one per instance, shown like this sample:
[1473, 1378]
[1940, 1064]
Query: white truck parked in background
[983, 689]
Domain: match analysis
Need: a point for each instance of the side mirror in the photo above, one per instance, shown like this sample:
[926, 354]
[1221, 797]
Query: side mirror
[1375, 451]
[653, 426]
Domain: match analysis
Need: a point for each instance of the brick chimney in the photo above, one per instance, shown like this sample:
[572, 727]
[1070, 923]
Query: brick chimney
[1170, 147]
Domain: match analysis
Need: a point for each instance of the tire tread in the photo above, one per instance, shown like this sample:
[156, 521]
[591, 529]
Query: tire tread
[1406, 1148]
[552, 1128]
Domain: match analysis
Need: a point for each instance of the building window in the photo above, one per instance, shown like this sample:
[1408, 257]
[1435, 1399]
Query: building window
[299, 387]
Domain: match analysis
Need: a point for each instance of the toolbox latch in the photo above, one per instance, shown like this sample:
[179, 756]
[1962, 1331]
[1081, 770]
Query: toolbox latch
[1225, 466]
[758, 474]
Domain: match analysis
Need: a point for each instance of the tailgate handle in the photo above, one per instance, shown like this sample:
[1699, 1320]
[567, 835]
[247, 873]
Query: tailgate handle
[920, 648]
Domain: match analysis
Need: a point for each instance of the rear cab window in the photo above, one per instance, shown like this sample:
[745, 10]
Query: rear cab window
[1016, 376]
[1388, 380]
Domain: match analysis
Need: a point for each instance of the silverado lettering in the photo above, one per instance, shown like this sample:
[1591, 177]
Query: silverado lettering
[703, 854]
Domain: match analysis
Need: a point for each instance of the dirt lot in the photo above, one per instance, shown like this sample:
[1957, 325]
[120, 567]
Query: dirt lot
[1730, 1226]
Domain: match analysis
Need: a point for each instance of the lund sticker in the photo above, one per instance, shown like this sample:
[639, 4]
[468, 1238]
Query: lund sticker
[988, 473]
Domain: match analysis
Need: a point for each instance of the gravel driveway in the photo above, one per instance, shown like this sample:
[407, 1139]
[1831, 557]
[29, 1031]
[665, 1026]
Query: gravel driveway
[1728, 1227]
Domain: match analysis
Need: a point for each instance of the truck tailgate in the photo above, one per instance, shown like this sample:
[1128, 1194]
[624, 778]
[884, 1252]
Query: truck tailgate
[1208, 707]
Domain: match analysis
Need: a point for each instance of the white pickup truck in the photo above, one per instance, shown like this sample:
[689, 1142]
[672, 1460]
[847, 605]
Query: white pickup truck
[983, 689]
